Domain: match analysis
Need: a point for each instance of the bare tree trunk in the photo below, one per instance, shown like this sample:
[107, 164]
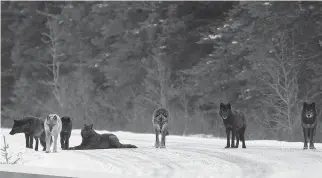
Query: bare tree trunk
[54, 51]
[162, 78]
[280, 73]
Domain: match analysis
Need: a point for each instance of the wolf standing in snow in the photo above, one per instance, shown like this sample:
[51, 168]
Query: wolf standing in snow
[53, 127]
[160, 120]
[309, 123]
[33, 128]
[66, 131]
[235, 122]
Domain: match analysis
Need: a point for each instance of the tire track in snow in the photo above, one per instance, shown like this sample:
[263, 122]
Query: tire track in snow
[246, 165]
[111, 163]
[158, 166]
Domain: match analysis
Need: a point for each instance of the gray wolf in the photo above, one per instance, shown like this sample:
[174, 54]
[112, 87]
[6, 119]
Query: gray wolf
[65, 132]
[53, 127]
[235, 122]
[94, 140]
[33, 128]
[308, 122]
[160, 119]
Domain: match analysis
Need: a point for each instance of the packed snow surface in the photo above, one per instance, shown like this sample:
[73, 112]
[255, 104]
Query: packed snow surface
[184, 157]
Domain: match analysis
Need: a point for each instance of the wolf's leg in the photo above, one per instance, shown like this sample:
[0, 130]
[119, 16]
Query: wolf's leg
[157, 142]
[42, 140]
[163, 138]
[164, 132]
[62, 141]
[233, 135]
[27, 140]
[305, 133]
[228, 137]
[48, 138]
[31, 142]
[311, 130]
[242, 137]
[237, 138]
[43, 143]
[37, 142]
[67, 141]
[55, 143]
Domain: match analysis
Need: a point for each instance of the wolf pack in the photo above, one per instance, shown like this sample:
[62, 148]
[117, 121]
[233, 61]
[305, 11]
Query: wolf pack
[47, 130]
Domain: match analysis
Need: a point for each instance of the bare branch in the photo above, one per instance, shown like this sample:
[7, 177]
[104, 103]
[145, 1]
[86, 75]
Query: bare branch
[40, 103]
[46, 14]
[47, 35]
[49, 83]
[148, 99]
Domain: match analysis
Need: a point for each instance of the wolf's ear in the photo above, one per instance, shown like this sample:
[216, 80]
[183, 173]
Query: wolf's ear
[304, 105]
[313, 104]
[85, 125]
[15, 121]
[66, 119]
[91, 126]
[229, 106]
[221, 105]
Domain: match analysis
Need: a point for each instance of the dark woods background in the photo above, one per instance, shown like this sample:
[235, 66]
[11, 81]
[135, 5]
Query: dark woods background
[113, 63]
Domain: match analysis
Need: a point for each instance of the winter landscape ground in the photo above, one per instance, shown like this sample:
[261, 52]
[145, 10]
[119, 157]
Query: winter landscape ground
[192, 156]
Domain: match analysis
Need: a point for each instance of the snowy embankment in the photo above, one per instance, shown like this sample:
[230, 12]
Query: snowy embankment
[184, 157]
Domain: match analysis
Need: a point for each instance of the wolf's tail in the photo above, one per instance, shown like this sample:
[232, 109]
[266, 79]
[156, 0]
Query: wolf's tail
[127, 146]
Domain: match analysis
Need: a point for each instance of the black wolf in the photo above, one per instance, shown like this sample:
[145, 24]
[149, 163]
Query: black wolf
[309, 122]
[94, 140]
[160, 119]
[235, 122]
[65, 132]
[32, 128]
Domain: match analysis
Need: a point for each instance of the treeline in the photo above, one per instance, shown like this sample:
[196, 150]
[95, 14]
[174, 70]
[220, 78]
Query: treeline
[113, 63]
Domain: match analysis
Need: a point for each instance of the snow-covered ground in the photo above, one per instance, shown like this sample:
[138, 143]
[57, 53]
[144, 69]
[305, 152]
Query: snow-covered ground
[184, 157]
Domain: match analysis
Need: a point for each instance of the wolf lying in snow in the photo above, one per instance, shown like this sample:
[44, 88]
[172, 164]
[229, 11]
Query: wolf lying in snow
[94, 140]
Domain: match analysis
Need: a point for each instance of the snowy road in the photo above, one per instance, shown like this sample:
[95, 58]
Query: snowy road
[184, 157]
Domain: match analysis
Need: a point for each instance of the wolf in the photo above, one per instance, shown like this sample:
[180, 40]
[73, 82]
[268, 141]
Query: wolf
[33, 128]
[94, 140]
[235, 122]
[65, 132]
[53, 127]
[308, 122]
[160, 119]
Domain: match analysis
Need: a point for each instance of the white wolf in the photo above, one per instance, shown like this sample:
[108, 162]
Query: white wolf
[53, 126]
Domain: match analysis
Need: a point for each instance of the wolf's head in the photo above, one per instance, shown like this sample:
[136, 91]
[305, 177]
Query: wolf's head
[66, 124]
[224, 110]
[52, 121]
[160, 114]
[309, 110]
[87, 131]
[20, 126]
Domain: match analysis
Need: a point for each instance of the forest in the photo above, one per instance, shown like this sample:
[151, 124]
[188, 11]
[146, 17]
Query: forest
[112, 63]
